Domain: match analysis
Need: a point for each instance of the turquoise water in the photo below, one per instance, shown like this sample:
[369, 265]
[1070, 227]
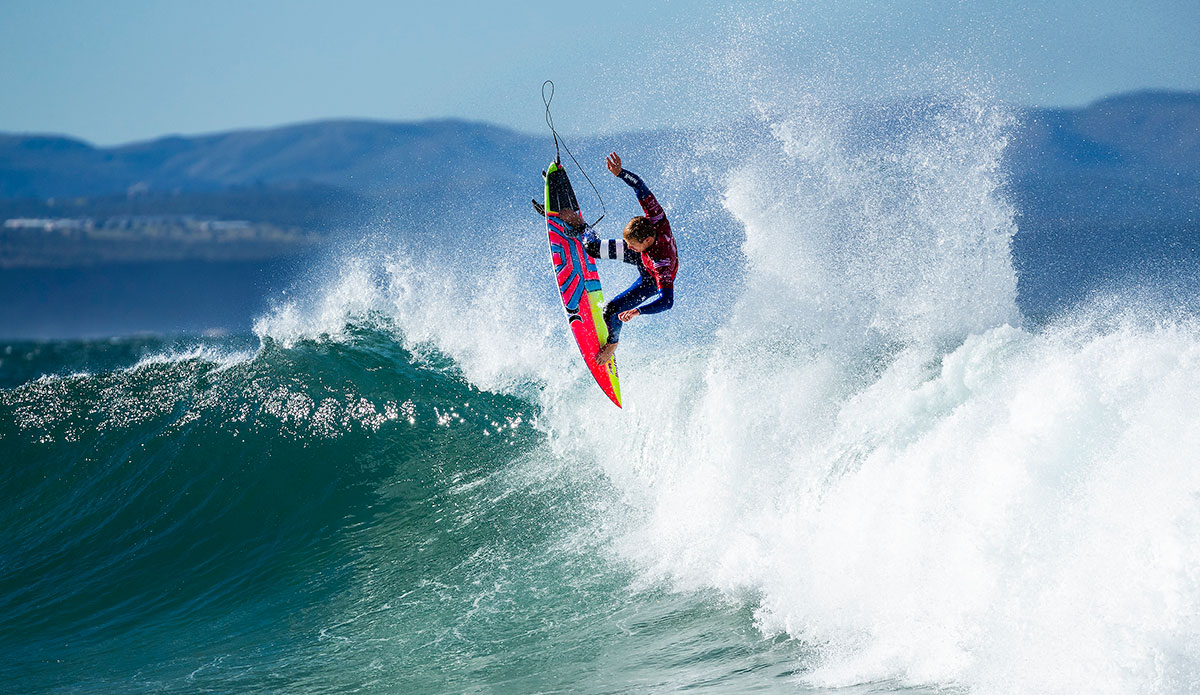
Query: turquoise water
[329, 517]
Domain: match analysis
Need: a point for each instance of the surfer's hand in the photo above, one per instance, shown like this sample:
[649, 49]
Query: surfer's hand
[614, 164]
[571, 217]
[627, 315]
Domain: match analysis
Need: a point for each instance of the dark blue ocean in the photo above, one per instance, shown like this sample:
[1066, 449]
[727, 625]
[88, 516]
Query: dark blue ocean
[878, 446]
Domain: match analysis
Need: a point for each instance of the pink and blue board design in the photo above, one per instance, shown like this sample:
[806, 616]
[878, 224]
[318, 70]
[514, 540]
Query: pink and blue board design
[578, 282]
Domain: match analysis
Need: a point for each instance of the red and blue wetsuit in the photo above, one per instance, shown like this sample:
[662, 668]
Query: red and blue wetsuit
[657, 265]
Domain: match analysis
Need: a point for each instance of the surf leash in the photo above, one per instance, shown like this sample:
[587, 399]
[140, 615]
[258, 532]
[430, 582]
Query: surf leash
[558, 157]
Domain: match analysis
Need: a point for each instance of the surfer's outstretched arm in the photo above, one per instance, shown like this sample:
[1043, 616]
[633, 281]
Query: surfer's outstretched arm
[636, 183]
[649, 203]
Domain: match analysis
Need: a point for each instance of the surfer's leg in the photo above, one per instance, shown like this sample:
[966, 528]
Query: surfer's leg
[639, 292]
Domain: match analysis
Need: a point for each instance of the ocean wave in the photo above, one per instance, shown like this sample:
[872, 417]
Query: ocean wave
[867, 471]
[875, 452]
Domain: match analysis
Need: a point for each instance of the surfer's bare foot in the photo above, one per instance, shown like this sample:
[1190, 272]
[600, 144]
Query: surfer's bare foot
[606, 353]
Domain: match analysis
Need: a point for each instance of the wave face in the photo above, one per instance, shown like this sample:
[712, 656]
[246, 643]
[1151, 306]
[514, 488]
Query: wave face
[846, 460]
[322, 515]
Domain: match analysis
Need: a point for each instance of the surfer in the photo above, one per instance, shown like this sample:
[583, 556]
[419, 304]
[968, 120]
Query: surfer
[649, 245]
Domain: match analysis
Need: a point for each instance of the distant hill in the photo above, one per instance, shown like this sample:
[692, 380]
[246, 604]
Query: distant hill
[1150, 131]
[1104, 191]
[359, 156]
[1124, 158]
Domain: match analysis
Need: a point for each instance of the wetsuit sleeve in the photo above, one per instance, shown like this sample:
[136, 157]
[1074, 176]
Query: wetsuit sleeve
[615, 249]
[591, 243]
[635, 182]
[666, 300]
[649, 203]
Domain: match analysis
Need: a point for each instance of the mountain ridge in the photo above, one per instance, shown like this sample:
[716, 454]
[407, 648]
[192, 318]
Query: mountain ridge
[1151, 131]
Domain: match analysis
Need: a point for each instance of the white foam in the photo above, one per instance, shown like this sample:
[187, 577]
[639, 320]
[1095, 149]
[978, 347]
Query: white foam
[1020, 519]
[853, 240]
[350, 297]
[222, 358]
[492, 316]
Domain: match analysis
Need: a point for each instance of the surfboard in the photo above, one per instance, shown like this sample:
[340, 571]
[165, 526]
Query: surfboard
[578, 282]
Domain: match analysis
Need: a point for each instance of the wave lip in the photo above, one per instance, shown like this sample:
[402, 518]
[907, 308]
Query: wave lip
[853, 236]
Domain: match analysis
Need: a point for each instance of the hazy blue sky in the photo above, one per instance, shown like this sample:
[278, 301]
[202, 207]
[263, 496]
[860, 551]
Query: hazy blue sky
[123, 70]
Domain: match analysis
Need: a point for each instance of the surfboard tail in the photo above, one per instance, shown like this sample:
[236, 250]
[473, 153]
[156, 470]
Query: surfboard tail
[605, 375]
[559, 194]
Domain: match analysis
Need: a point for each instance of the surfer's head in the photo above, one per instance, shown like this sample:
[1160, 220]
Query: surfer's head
[639, 234]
